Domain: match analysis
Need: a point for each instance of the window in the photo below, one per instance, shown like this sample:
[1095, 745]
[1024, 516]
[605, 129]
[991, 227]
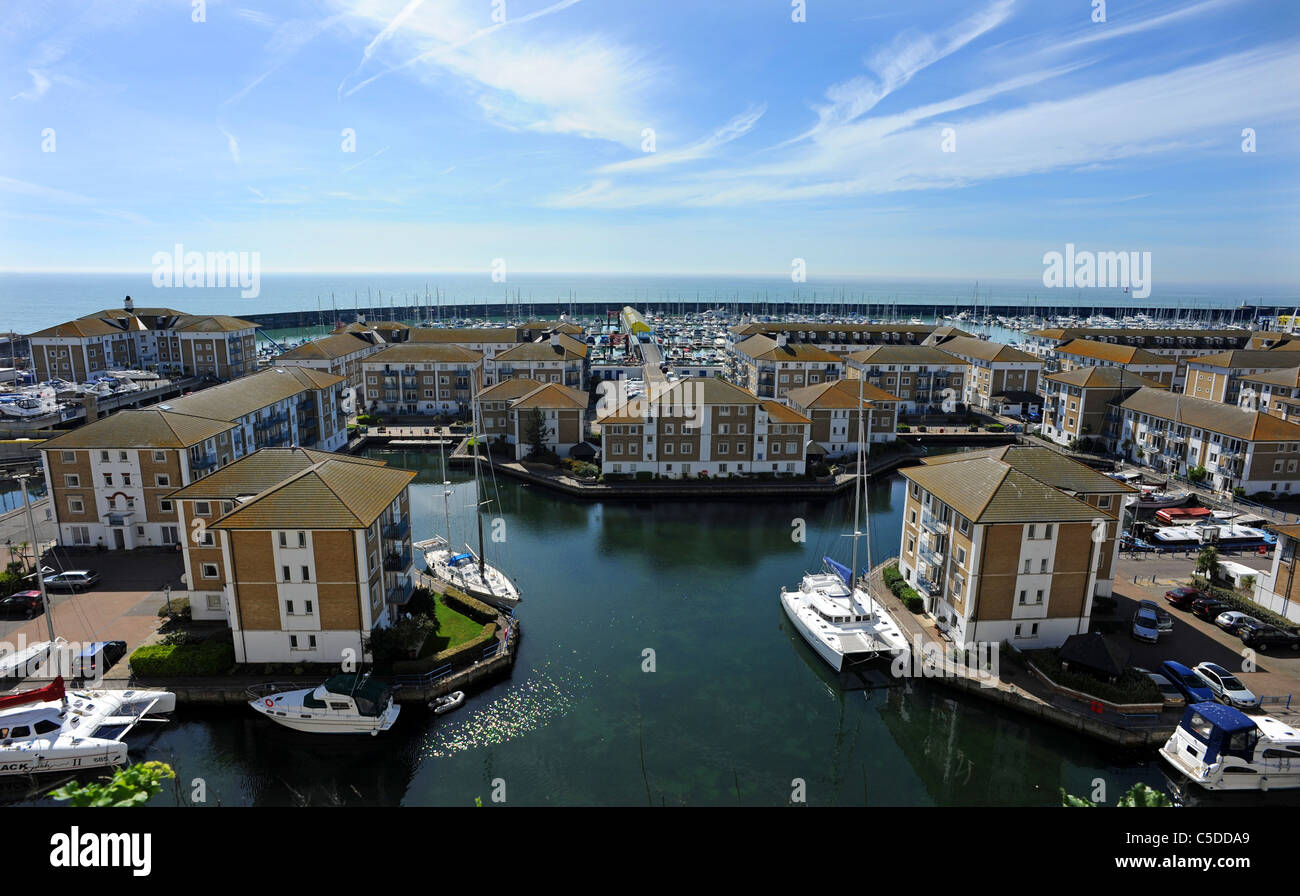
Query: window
[1032, 529]
[162, 480]
[302, 539]
[1104, 502]
[1022, 597]
[69, 457]
[284, 570]
[1038, 597]
[202, 508]
[76, 505]
[81, 535]
[108, 477]
[1026, 567]
[126, 478]
[121, 456]
[284, 539]
[1047, 531]
[209, 570]
[165, 506]
[307, 609]
[160, 457]
[214, 601]
[961, 556]
[103, 457]
[306, 573]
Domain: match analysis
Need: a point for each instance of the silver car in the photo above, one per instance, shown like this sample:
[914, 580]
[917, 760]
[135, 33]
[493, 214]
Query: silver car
[1226, 686]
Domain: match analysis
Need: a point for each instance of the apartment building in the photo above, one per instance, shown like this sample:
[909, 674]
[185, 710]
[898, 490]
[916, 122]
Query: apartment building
[833, 410]
[304, 553]
[493, 405]
[421, 378]
[1278, 588]
[162, 339]
[703, 427]
[487, 341]
[1078, 404]
[924, 379]
[1003, 379]
[554, 412]
[1170, 343]
[107, 479]
[558, 358]
[1275, 392]
[340, 354]
[1085, 353]
[772, 367]
[1010, 544]
[1238, 448]
[1219, 377]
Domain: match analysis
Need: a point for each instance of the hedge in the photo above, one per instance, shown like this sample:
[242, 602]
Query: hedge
[462, 654]
[1243, 605]
[182, 660]
[911, 599]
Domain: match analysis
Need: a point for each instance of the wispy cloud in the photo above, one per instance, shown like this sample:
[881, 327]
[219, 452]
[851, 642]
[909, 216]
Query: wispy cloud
[734, 129]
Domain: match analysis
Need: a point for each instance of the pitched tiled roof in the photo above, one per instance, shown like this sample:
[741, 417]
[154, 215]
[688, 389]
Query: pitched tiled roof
[780, 413]
[424, 353]
[1286, 376]
[259, 471]
[144, 428]
[569, 349]
[838, 394]
[986, 490]
[506, 335]
[507, 389]
[1103, 378]
[904, 354]
[763, 348]
[688, 392]
[553, 395]
[1106, 351]
[1047, 466]
[327, 348]
[985, 350]
[1225, 419]
[1254, 358]
[238, 398]
[334, 493]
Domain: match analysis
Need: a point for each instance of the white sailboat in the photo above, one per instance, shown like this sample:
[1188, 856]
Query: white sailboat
[832, 610]
[466, 570]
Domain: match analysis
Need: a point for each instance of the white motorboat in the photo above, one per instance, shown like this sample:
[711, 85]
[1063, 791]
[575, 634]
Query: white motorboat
[834, 611]
[53, 730]
[1219, 748]
[348, 703]
[1153, 497]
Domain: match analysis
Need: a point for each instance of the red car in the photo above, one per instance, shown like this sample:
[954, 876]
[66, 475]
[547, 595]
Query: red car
[1182, 598]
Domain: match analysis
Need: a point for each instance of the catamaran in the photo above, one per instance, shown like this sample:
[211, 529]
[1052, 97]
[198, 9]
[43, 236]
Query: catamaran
[834, 611]
[466, 570]
[52, 730]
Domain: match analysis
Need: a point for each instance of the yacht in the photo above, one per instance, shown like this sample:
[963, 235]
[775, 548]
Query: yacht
[834, 611]
[53, 730]
[1219, 748]
[348, 703]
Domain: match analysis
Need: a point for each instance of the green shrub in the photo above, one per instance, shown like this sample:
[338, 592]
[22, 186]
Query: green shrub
[1131, 687]
[468, 606]
[996, 427]
[911, 599]
[903, 427]
[212, 657]
[891, 575]
[644, 476]
[461, 654]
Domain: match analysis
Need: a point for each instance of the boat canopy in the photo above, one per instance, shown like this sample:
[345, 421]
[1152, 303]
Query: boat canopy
[370, 694]
[840, 570]
[1222, 729]
[459, 558]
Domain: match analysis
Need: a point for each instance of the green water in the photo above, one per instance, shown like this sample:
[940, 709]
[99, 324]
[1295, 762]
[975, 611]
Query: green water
[736, 709]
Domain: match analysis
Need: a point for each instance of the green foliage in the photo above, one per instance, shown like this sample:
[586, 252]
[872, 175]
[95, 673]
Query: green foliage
[133, 785]
[1243, 604]
[891, 575]
[903, 427]
[10, 582]
[535, 432]
[1138, 796]
[180, 611]
[422, 602]
[1197, 473]
[1131, 687]
[911, 599]
[399, 640]
[996, 427]
[212, 657]
[1207, 560]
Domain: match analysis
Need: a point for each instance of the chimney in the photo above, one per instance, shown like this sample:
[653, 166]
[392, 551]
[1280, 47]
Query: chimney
[555, 341]
[129, 305]
[781, 339]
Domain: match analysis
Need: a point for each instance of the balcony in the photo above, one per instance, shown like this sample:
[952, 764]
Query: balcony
[930, 555]
[931, 523]
[204, 462]
[397, 529]
[397, 562]
[401, 591]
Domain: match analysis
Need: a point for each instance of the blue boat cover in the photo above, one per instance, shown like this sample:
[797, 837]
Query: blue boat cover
[841, 570]
[458, 558]
[1225, 718]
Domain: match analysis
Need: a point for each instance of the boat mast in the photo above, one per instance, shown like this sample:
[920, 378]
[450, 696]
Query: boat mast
[857, 494]
[36, 555]
[478, 502]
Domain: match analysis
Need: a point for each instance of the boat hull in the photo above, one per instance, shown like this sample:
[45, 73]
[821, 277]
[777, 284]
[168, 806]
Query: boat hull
[833, 657]
[293, 717]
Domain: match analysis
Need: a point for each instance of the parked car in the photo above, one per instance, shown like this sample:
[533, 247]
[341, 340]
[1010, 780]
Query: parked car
[1208, 607]
[22, 605]
[1172, 696]
[98, 658]
[1254, 625]
[1232, 620]
[1226, 686]
[1194, 688]
[73, 580]
[1182, 597]
[1270, 638]
[1162, 616]
[1145, 625]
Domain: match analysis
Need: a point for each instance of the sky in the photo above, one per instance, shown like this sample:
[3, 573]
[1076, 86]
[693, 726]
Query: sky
[938, 138]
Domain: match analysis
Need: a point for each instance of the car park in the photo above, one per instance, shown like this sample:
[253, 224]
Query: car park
[1208, 607]
[1145, 625]
[22, 605]
[1193, 687]
[1271, 638]
[72, 580]
[1166, 622]
[1226, 686]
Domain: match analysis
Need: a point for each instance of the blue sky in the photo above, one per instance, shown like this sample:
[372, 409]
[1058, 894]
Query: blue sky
[774, 139]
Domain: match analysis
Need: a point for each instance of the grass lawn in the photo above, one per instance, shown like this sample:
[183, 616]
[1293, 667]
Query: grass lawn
[453, 629]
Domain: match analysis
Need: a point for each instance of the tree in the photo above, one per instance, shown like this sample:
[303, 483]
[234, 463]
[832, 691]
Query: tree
[1207, 561]
[1197, 473]
[134, 785]
[1138, 796]
[535, 432]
